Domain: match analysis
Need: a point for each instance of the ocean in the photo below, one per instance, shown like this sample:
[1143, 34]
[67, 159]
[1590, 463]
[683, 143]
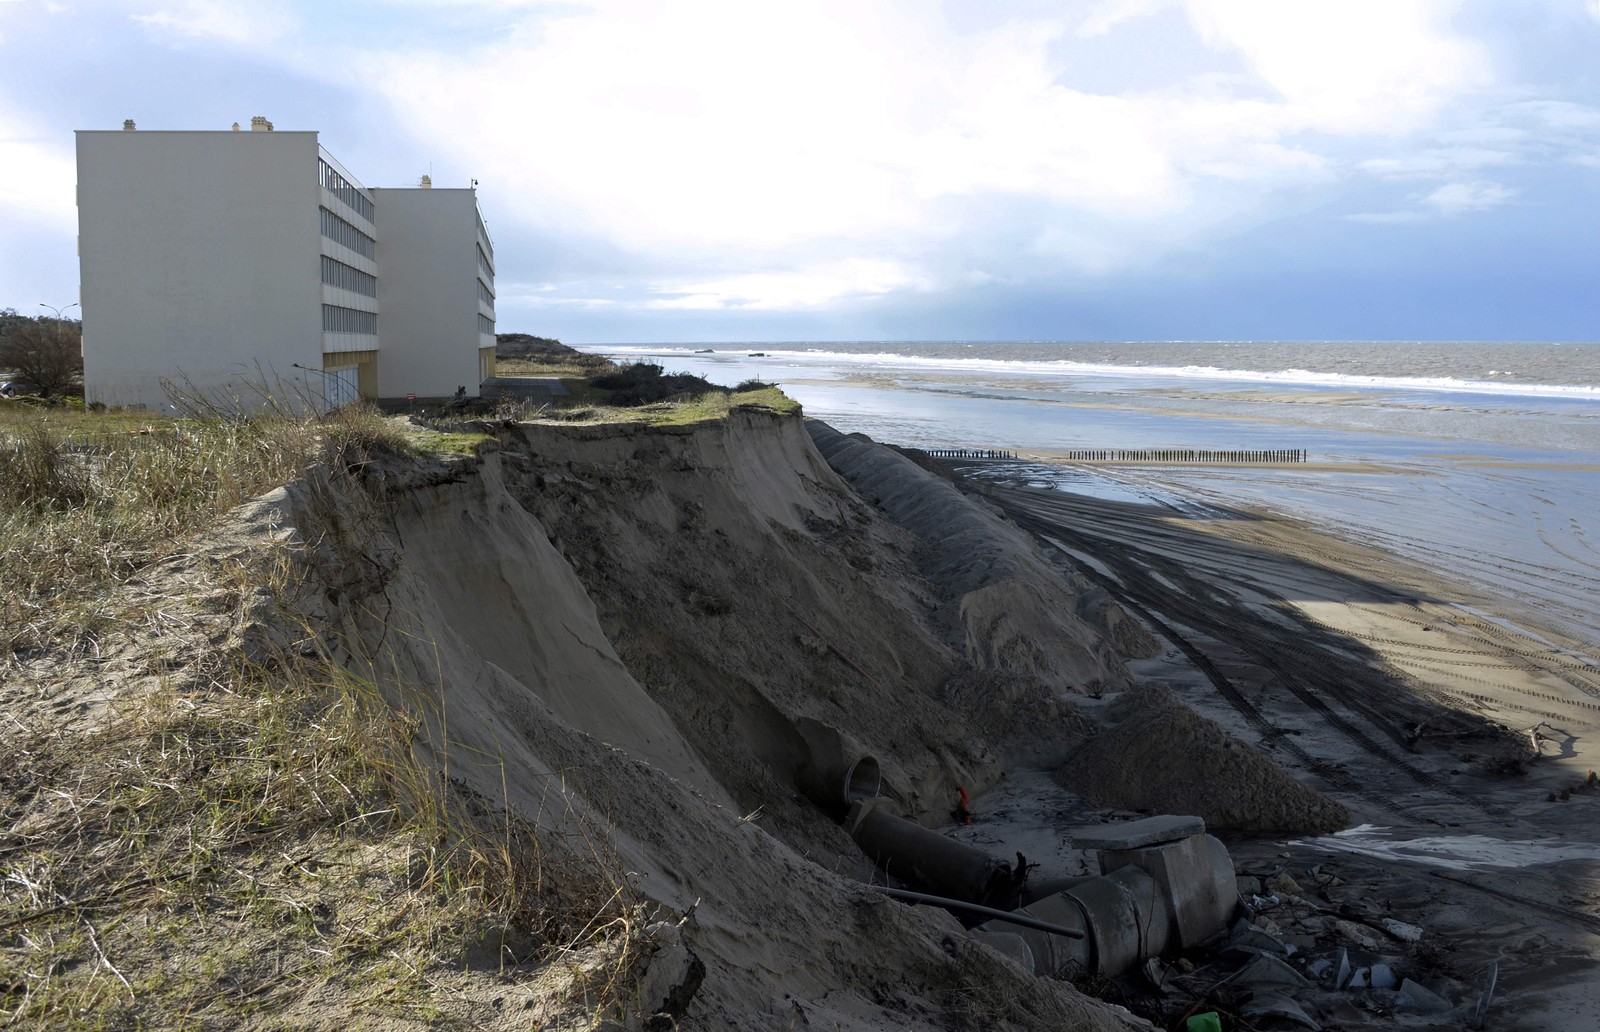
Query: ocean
[1481, 460]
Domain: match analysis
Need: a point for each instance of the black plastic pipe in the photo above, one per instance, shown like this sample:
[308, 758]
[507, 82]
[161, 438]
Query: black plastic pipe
[1025, 920]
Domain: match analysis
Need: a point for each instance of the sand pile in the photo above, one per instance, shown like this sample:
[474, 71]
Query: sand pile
[1000, 601]
[619, 636]
[1018, 612]
[748, 588]
[1159, 755]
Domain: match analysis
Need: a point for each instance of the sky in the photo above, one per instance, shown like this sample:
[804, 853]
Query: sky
[698, 170]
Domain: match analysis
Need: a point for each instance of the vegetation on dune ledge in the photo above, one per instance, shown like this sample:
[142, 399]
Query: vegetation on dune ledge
[643, 393]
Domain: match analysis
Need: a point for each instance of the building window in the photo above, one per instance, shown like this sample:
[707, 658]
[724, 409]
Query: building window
[483, 264]
[484, 232]
[345, 190]
[484, 294]
[337, 274]
[485, 324]
[342, 232]
[348, 320]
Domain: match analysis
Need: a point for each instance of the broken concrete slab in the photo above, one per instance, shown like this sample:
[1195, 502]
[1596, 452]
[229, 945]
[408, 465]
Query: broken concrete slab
[1401, 930]
[1361, 935]
[1269, 970]
[1147, 831]
[1414, 997]
[1276, 1005]
[1285, 885]
[1249, 938]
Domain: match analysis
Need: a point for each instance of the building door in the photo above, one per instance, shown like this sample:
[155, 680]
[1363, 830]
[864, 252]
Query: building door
[341, 386]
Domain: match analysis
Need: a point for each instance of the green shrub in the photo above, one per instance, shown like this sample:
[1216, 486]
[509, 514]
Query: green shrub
[644, 383]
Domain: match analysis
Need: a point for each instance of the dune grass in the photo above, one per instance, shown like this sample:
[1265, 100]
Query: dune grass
[716, 405]
[207, 856]
[88, 498]
[233, 831]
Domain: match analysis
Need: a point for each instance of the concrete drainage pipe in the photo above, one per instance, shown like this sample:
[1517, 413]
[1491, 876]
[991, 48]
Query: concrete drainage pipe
[1151, 897]
[924, 858]
[836, 771]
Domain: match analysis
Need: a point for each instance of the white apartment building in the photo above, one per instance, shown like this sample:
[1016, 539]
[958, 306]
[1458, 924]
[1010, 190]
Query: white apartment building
[233, 267]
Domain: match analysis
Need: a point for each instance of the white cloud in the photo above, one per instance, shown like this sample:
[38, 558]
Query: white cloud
[1387, 217]
[672, 126]
[1454, 199]
[591, 303]
[802, 137]
[1436, 162]
[1449, 201]
[40, 174]
[1560, 114]
[1108, 14]
[740, 125]
[227, 20]
[1361, 66]
[812, 287]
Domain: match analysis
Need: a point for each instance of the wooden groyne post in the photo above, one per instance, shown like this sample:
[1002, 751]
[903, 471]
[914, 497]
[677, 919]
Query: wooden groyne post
[968, 453]
[1191, 455]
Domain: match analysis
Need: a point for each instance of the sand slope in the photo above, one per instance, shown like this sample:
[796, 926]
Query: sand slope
[1002, 601]
[620, 635]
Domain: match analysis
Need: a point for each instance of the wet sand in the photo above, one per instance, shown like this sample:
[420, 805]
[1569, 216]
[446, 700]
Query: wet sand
[1404, 695]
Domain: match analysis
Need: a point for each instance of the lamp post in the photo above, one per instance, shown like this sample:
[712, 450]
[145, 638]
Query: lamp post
[52, 361]
[58, 311]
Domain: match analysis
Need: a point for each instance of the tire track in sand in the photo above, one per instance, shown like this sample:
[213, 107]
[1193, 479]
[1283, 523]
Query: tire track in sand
[1144, 593]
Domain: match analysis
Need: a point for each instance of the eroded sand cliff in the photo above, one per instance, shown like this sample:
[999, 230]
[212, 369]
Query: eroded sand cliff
[633, 636]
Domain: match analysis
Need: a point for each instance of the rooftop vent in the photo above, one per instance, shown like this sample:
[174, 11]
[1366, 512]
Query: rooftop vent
[128, 126]
[236, 127]
[259, 124]
[426, 183]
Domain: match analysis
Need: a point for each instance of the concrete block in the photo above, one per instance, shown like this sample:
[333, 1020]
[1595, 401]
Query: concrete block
[1148, 831]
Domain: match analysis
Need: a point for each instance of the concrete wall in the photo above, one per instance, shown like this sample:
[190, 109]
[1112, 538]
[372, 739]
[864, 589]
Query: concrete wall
[428, 292]
[200, 257]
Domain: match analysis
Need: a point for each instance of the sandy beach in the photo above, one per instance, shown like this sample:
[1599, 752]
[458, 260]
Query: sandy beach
[1411, 699]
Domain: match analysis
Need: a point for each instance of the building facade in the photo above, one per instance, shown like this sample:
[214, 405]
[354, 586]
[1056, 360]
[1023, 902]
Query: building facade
[238, 269]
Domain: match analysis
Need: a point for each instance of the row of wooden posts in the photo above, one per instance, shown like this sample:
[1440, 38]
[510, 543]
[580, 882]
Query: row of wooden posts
[1187, 455]
[959, 453]
[1138, 455]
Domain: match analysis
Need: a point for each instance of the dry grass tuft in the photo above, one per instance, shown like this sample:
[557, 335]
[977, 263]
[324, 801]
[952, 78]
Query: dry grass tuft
[220, 854]
[240, 840]
[84, 503]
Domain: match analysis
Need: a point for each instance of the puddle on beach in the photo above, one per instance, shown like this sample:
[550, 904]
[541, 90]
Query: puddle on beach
[1105, 486]
[1452, 852]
